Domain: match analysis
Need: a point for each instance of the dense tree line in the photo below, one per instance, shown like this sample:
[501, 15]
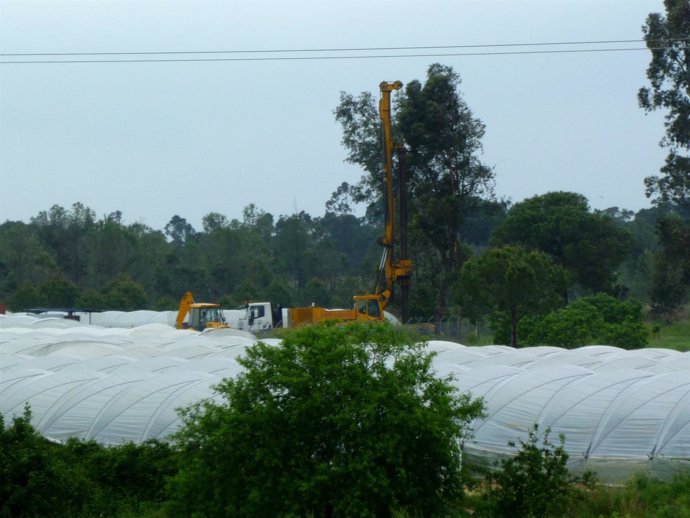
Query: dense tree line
[67, 257]
[521, 262]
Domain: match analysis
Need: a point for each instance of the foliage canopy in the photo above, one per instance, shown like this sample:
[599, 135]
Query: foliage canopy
[535, 483]
[40, 478]
[668, 72]
[599, 319]
[67, 258]
[669, 75]
[590, 245]
[509, 283]
[344, 420]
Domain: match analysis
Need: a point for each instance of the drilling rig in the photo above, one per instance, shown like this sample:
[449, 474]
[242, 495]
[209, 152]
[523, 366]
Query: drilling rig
[393, 269]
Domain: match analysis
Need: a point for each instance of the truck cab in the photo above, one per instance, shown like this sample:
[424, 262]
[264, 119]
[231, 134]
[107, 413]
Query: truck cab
[260, 316]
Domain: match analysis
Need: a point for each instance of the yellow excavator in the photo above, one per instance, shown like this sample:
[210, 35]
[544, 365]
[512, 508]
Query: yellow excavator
[199, 315]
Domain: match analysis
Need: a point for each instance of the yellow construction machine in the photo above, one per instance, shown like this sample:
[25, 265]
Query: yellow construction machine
[391, 270]
[199, 315]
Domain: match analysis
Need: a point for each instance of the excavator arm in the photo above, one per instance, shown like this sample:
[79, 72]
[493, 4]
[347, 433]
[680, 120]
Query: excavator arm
[390, 269]
[185, 303]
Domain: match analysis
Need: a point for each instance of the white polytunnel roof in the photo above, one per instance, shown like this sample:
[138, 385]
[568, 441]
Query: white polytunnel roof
[620, 411]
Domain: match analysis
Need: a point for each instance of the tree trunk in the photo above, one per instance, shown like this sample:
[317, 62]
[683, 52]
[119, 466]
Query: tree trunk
[441, 306]
[513, 328]
[450, 259]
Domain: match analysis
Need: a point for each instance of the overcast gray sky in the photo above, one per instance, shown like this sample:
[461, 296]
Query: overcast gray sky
[156, 139]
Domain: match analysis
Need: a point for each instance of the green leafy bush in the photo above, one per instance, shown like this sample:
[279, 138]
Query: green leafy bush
[39, 478]
[535, 483]
[340, 420]
[600, 319]
[33, 480]
[125, 478]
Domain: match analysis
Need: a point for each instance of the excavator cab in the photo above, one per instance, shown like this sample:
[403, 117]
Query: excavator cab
[203, 316]
[199, 315]
[368, 307]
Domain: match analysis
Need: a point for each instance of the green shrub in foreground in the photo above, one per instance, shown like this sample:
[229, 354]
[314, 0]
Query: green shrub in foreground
[535, 483]
[33, 479]
[39, 478]
[341, 420]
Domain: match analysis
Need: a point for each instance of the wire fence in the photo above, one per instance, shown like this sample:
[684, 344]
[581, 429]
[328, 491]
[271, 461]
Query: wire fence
[450, 328]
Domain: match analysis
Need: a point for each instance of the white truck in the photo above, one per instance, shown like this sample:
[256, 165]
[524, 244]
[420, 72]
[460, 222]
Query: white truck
[263, 316]
[257, 317]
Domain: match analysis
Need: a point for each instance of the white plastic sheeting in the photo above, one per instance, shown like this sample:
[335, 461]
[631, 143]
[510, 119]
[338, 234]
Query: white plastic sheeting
[620, 411]
[110, 385]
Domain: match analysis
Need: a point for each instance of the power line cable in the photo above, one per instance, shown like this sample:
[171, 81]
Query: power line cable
[344, 49]
[198, 54]
[321, 58]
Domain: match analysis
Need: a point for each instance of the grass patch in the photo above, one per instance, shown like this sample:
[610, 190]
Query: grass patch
[642, 497]
[673, 335]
